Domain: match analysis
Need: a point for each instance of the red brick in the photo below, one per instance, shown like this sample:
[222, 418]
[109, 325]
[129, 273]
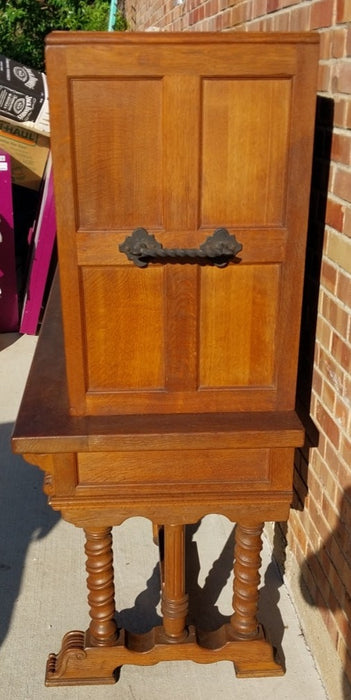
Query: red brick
[340, 563]
[333, 459]
[346, 450]
[342, 112]
[322, 14]
[259, 8]
[335, 314]
[341, 148]
[343, 474]
[341, 413]
[347, 117]
[309, 581]
[347, 222]
[341, 619]
[335, 214]
[314, 483]
[339, 42]
[343, 289]
[328, 396]
[226, 19]
[341, 351]
[327, 424]
[281, 21]
[343, 11]
[344, 653]
[324, 334]
[339, 112]
[328, 272]
[348, 41]
[342, 184]
[300, 20]
[324, 77]
[317, 381]
[347, 387]
[343, 83]
[331, 369]
[325, 46]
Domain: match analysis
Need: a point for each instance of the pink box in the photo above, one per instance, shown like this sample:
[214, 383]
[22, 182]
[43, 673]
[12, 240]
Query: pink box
[41, 243]
[8, 281]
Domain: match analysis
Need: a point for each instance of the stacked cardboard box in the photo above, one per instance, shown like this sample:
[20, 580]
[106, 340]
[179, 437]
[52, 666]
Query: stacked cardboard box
[25, 136]
[24, 121]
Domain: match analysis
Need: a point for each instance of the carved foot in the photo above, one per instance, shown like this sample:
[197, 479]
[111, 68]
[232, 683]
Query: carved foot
[74, 665]
[258, 659]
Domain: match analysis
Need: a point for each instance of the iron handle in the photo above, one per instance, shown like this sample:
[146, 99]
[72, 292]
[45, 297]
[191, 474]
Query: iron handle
[142, 248]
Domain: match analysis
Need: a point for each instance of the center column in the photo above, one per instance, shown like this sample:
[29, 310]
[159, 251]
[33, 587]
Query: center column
[174, 605]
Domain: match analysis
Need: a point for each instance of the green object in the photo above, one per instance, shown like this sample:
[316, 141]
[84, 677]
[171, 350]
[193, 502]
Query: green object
[25, 23]
[112, 16]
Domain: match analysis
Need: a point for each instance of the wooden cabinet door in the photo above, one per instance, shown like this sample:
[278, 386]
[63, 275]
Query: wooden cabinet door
[181, 134]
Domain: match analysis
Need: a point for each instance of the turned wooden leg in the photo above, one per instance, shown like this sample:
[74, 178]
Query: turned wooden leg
[248, 545]
[101, 597]
[174, 600]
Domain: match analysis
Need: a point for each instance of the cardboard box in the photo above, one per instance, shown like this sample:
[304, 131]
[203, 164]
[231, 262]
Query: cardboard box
[24, 96]
[29, 152]
[24, 121]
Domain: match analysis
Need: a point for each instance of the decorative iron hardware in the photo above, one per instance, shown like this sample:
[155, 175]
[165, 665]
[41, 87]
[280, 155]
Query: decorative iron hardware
[142, 248]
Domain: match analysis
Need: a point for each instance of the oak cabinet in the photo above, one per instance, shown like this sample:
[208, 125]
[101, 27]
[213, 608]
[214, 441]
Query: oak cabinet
[181, 135]
[182, 166]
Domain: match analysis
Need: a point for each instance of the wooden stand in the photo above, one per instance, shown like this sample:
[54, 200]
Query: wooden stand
[172, 395]
[49, 437]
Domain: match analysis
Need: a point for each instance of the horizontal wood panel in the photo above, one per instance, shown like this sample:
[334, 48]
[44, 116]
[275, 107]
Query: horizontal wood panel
[74, 38]
[228, 58]
[260, 245]
[202, 401]
[167, 467]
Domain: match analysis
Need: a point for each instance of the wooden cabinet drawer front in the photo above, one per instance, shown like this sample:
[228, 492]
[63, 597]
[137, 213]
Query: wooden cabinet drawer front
[169, 467]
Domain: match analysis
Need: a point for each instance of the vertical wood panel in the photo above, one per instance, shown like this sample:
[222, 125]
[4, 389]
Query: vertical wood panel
[118, 152]
[182, 321]
[181, 115]
[238, 326]
[244, 151]
[124, 321]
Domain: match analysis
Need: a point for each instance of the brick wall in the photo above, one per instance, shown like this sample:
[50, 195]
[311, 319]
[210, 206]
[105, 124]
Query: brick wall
[319, 529]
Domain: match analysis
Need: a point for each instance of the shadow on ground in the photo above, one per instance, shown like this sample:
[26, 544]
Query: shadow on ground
[24, 517]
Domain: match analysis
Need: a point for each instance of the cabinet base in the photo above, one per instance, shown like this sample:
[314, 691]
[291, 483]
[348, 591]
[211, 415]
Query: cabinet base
[79, 663]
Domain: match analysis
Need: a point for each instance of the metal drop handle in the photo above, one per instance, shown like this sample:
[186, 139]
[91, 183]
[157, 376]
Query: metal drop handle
[142, 248]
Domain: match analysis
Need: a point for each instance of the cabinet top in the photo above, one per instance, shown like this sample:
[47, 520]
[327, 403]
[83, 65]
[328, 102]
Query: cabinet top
[80, 37]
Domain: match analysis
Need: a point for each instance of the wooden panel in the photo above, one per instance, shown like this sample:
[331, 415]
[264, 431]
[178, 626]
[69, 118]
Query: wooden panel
[181, 299]
[118, 122]
[181, 134]
[124, 322]
[167, 467]
[181, 99]
[244, 151]
[260, 245]
[238, 325]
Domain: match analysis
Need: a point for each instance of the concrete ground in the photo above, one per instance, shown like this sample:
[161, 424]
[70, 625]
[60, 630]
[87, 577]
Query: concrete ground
[43, 594]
